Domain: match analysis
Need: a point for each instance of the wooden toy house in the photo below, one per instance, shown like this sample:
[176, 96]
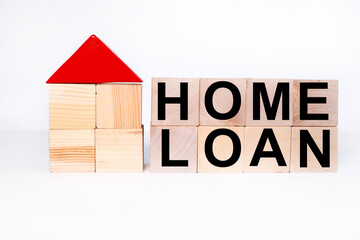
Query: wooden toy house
[95, 113]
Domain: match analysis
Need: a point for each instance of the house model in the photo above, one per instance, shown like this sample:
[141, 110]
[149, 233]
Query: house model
[95, 113]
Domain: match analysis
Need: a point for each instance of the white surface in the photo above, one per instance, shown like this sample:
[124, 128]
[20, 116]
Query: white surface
[260, 38]
[35, 204]
[308, 39]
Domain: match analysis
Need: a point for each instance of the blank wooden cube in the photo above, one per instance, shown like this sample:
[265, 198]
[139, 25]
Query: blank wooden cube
[314, 149]
[284, 90]
[182, 145]
[280, 138]
[222, 101]
[118, 106]
[72, 151]
[119, 150]
[227, 154]
[72, 106]
[315, 103]
[175, 114]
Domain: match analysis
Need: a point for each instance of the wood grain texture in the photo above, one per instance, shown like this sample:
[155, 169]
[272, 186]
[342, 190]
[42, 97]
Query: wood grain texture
[271, 85]
[252, 137]
[72, 106]
[172, 89]
[119, 150]
[183, 146]
[118, 105]
[313, 164]
[223, 101]
[222, 149]
[330, 107]
[72, 150]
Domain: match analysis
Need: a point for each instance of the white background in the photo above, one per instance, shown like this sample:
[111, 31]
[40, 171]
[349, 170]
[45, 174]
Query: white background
[282, 39]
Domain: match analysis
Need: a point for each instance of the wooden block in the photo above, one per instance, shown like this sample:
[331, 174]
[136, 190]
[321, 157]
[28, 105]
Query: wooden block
[181, 146]
[265, 90]
[222, 101]
[72, 106]
[224, 151]
[307, 91]
[118, 106]
[314, 149]
[268, 143]
[185, 113]
[119, 150]
[72, 151]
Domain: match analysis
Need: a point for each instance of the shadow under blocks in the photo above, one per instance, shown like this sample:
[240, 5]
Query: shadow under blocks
[243, 125]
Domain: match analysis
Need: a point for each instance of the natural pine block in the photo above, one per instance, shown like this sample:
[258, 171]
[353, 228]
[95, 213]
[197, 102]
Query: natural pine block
[314, 149]
[264, 141]
[176, 146]
[118, 106]
[167, 93]
[72, 151]
[119, 150]
[72, 106]
[222, 101]
[315, 103]
[227, 154]
[261, 92]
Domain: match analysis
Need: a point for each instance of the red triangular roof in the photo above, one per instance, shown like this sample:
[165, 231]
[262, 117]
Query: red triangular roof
[93, 62]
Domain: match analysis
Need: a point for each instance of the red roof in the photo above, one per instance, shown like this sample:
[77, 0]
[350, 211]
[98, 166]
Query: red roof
[93, 62]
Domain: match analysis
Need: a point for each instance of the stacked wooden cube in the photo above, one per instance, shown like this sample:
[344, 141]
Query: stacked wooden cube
[244, 125]
[96, 127]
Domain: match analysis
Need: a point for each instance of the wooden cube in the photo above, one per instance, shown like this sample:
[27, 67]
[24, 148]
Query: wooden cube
[72, 106]
[173, 149]
[221, 149]
[175, 101]
[269, 102]
[222, 101]
[315, 103]
[72, 151]
[314, 149]
[118, 106]
[267, 149]
[119, 150]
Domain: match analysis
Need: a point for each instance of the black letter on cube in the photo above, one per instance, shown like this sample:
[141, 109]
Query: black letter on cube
[275, 153]
[259, 89]
[165, 152]
[305, 100]
[209, 147]
[209, 100]
[182, 100]
[307, 140]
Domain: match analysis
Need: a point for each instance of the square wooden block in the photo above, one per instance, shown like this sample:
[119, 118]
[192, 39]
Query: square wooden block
[119, 150]
[314, 149]
[118, 105]
[167, 93]
[263, 142]
[72, 106]
[177, 146]
[263, 96]
[315, 103]
[72, 150]
[222, 101]
[221, 149]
